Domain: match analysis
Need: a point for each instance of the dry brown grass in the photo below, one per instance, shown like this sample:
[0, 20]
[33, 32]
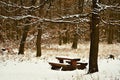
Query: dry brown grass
[82, 51]
[53, 50]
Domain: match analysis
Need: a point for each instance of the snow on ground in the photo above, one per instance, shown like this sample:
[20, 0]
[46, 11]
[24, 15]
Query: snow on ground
[28, 67]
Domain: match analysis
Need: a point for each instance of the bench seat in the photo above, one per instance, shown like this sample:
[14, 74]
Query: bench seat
[62, 66]
[56, 66]
[80, 65]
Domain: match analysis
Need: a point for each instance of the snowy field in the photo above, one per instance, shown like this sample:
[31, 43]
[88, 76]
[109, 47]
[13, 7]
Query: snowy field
[28, 67]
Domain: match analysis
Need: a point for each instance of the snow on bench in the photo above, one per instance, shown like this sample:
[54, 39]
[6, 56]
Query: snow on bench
[71, 64]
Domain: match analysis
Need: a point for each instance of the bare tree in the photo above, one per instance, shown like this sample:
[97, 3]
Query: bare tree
[23, 40]
[76, 32]
[94, 43]
[38, 42]
[25, 30]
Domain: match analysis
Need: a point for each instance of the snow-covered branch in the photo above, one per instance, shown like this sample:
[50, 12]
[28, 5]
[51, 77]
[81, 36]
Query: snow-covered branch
[18, 17]
[75, 16]
[76, 19]
[103, 7]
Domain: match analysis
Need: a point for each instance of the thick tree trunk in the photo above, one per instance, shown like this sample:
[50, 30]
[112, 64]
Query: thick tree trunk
[23, 40]
[93, 65]
[38, 42]
[93, 56]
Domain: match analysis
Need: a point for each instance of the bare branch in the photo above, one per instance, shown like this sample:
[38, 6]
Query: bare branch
[53, 20]
[103, 7]
[18, 17]
[23, 7]
[112, 22]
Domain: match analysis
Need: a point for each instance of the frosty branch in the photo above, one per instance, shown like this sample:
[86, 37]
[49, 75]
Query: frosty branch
[103, 7]
[77, 19]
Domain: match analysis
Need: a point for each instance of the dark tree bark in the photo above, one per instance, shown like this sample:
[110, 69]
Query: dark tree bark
[75, 38]
[1, 24]
[94, 44]
[118, 29]
[110, 28]
[118, 40]
[65, 36]
[59, 32]
[1, 37]
[23, 40]
[60, 38]
[110, 34]
[75, 41]
[38, 42]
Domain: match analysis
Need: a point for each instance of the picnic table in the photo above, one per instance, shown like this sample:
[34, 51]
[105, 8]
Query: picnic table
[67, 63]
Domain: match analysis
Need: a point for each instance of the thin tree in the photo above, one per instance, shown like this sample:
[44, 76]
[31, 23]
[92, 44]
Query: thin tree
[39, 28]
[76, 32]
[23, 40]
[38, 42]
[75, 38]
[25, 29]
[24, 35]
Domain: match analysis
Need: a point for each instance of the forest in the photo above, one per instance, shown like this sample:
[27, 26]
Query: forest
[41, 30]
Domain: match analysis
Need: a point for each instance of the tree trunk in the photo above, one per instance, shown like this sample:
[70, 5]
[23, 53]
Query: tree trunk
[118, 35]
[93, 56]
[75, 38]
[65, 36]
[23, 40]
[75, 41]
[110, 28]
[1, 38]
[118, 29]
[60, 37]
[38, 42]
[110, 35]
[60, 12]
[26, 29]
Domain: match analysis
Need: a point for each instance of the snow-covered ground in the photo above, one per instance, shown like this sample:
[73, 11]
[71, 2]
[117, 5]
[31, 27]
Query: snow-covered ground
[28, 67]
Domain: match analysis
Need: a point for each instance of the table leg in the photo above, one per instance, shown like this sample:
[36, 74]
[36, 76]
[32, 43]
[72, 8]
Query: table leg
[61, 61]
[74, 64]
